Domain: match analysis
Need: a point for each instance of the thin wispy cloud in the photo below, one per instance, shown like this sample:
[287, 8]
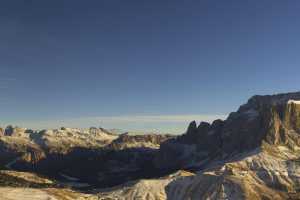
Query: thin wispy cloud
[151, 123]
[159, 118]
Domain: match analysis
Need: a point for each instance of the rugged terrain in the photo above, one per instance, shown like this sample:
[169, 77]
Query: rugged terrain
[94, 156]
[253, 154]
[71, 159]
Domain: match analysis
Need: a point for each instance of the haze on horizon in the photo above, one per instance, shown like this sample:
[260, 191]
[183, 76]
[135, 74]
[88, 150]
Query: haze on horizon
[142, 65]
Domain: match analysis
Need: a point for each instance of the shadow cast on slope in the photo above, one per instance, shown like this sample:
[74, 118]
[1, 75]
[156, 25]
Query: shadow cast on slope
[100, 168]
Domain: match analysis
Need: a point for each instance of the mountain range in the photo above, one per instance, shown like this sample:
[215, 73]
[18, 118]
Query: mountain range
[253, 154]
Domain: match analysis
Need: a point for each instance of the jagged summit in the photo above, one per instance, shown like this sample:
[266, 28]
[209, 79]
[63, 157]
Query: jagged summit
[274, 119]
[281, 98]
[253, 154]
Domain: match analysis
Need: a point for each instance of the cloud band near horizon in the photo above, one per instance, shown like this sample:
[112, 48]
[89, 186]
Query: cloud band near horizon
[147, 123]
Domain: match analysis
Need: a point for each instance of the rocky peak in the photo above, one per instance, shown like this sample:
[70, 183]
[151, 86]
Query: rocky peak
[94, 130]
[125, 141]
[274, 119]
[190, 134]
[99, 131]
[32, 156]
[15, 131]
[192, 127]
[9, 130]
[279, 117]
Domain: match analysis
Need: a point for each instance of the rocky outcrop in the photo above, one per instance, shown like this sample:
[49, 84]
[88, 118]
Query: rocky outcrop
[274, 119]
[1, 132]
[253, 154]
[15, 131]
[9, 130]
[32, 156]
[125, 141]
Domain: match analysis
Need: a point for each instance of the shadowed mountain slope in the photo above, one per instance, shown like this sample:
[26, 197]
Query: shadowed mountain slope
[253, 154]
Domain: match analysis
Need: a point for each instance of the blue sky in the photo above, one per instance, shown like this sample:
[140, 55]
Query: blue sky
[121, 64]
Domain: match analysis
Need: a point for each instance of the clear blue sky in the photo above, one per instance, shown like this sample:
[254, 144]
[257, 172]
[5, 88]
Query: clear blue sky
[163, 59]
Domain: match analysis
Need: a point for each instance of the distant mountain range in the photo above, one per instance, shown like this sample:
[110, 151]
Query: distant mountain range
[253, 154]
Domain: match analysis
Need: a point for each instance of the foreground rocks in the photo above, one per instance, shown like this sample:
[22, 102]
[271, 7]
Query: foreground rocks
[30, 186]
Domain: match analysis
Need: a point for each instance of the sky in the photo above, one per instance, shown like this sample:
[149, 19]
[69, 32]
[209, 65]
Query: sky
[142, 65]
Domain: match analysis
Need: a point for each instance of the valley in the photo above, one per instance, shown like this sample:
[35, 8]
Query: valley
[253, 154]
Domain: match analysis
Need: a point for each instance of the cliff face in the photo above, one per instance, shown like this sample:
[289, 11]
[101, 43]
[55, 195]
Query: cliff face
[276, 120]
[253, 154]
[272, 119]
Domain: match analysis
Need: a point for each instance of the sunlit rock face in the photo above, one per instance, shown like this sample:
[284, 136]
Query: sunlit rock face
[267, 173]
[253, 154]
[1, 132]
[126, 141]
[274, 119]
[12, 131]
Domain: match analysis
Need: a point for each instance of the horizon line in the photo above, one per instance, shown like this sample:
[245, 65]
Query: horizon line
[152, 123]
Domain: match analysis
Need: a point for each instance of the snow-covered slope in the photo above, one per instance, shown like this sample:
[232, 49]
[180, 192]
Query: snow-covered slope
[267, 173]
[253, 154]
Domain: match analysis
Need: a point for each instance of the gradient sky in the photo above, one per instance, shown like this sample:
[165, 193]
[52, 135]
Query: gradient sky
[121, 64]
